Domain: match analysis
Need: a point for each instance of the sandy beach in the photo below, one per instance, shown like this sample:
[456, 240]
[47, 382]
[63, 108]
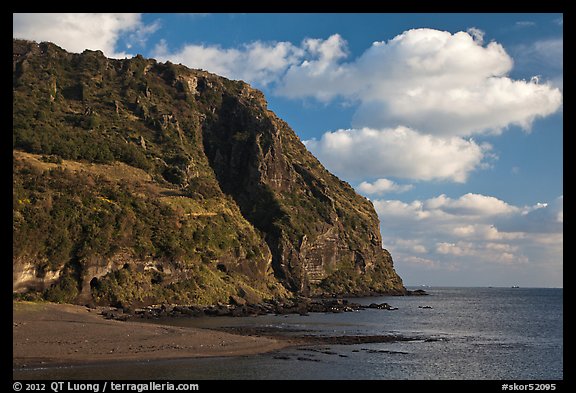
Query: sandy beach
[54, 334]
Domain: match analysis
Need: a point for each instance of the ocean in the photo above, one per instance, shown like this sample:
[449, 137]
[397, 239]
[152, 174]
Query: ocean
[462, 334]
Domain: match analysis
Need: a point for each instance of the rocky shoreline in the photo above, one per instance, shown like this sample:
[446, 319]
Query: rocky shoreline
[304, 337]
[52, 334]
[238, 307]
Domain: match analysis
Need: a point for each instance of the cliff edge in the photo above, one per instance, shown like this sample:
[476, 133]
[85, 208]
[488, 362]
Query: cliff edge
[139, 182]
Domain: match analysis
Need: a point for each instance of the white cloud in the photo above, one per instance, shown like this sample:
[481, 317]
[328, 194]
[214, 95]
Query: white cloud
[471, 205]
[484, 232]
[433, 81]
[142, 32]
[420, 262]
[450, 248]
[476, 34]
[399, 152]
[324, 53]
[419, 95]
[382, 186]
[257, 62]
[403, 212]
[409, 245]
[490, 252]
[540, 218]
[472, 232]
[486, 108]
[77, 32]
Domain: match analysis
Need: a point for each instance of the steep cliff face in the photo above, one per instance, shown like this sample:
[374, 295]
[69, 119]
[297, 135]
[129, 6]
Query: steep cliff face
[324, 237]
[139, 182]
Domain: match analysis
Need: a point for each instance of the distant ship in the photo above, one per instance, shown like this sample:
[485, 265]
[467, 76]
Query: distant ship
[515, 286]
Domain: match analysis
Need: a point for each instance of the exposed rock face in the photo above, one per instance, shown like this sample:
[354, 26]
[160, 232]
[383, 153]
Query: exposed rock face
[26, 275]
[315, 224]
[220, 187]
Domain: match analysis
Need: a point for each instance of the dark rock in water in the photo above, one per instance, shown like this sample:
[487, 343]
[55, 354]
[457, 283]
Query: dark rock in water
[307, 359]
[381, 306]
[384, 351]
[417, 292]
[425, 307]
[301, 306]
[304, 337]
[355, 339]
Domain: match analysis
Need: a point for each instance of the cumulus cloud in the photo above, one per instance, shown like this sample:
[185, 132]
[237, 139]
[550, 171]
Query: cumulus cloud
[77, 32]
[487, 108]
[257, 62]
[410, 245]
[484, 232]
[140, 35]
[472, 231]
[471, 205]
[323, 54]
[430, 80]
[398, 152]
[490, 252]
[540, 218]
[382, 186]
[476, 34]
[474, 216]
[420, 262]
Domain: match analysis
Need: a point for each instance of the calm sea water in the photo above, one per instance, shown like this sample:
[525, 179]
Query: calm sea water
[469, 333]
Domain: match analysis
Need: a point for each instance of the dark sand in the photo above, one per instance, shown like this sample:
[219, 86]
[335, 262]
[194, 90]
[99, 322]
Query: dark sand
[47, 334]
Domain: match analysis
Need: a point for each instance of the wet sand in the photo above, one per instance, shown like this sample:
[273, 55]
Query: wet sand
[46, 334]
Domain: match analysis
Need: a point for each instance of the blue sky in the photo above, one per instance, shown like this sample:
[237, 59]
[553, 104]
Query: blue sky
[451, 124]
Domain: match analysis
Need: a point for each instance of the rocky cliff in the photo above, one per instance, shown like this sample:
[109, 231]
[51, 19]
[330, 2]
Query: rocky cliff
[142, 182]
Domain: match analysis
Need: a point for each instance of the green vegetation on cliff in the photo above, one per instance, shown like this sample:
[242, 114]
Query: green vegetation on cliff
[139, 182]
